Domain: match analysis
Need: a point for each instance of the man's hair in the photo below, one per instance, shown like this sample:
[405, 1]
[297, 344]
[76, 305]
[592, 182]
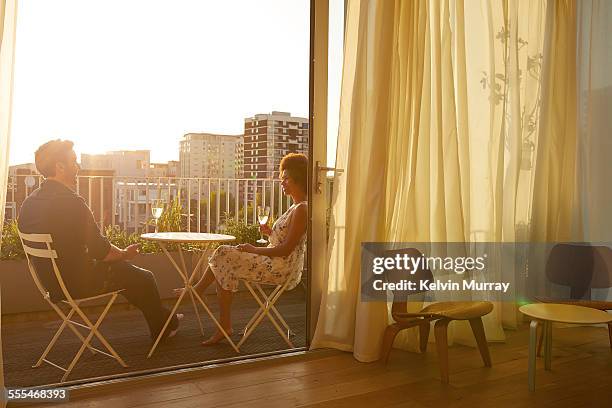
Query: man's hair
[296, 167]
[50, 153]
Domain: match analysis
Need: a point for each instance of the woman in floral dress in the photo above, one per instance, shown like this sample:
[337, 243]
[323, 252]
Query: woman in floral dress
[282, 259]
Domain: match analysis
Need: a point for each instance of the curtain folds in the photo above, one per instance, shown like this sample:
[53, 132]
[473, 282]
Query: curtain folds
[8, 20]
[595, 119]
[556, 206]
[445, 108]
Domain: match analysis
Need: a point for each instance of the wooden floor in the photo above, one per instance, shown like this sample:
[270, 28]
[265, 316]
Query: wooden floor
[23, 342]
[581, 376]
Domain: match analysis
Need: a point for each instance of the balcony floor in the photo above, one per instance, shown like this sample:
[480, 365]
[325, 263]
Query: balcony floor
[126, 330]
[580, 377]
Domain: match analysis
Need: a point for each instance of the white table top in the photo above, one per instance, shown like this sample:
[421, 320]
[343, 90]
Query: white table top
[565, 313]
[187, 237]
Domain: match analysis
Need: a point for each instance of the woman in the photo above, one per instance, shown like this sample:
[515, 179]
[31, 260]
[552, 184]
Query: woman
[282, 259]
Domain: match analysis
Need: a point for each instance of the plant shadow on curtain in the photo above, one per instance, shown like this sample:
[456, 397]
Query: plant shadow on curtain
[443, 108]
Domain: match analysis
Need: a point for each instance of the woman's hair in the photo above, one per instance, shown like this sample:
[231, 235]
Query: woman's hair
[51, 153]
[296, 167]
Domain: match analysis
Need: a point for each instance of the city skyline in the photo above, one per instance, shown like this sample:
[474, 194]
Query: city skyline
[104, 160]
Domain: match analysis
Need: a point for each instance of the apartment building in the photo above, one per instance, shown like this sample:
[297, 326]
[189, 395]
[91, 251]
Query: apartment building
[169, 169]
[125, 163]
[268, 138]
[239, 165]
[208, 155]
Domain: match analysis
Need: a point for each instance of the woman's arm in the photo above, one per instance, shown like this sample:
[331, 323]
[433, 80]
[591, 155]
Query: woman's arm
[297, 228]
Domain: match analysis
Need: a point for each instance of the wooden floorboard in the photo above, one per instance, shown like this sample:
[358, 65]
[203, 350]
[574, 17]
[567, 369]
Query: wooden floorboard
[24, 342]
[581, 376]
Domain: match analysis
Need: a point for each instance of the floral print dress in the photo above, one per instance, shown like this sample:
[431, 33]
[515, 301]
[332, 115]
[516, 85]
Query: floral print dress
[230, 265]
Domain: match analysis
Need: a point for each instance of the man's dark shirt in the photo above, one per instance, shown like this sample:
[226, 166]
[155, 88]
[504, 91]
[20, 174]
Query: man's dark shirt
[55, 209]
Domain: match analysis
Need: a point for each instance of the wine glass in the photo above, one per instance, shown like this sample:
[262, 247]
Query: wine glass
[157, 208]
[263, 213]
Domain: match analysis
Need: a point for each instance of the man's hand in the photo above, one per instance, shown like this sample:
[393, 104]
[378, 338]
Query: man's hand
[265, 229]
[131, 251]
[246, 248]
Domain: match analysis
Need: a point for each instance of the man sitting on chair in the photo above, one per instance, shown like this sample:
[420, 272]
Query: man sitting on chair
[88, 262]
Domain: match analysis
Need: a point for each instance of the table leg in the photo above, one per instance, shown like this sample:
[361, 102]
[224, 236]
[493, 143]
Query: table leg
[533, 339]
[212, 317]
[197, 311]
[547, 344]
[189, 287]
[161, 333]
[195, 294]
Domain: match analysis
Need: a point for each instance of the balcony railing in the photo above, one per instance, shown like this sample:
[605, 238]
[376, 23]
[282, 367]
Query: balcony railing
[126, 201]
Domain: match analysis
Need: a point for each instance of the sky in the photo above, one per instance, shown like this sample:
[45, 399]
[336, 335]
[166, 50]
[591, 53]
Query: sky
[139, 74]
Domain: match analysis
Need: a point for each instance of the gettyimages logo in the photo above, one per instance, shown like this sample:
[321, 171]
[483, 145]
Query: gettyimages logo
[411, 263]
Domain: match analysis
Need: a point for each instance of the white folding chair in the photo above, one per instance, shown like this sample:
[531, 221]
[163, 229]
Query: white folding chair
[266, 305]
[73, 303]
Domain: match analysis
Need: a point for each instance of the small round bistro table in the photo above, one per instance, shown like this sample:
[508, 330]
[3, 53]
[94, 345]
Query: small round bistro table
[204, 239]
[547, 313]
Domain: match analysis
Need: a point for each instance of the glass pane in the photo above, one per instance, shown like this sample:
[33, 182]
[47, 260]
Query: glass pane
[165, 103]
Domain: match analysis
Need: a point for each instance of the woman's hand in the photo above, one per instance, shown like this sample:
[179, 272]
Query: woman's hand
[246, 248]
[265, 229]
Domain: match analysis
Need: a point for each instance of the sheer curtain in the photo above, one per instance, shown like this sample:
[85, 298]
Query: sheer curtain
[8, 19]
[594, 118]
[595, 123]
[442, 111]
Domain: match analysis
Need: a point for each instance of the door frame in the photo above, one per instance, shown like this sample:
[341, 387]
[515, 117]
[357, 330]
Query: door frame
[317, 152]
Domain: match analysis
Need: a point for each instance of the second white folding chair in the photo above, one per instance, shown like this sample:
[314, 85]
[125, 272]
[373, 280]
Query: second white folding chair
[267, 309]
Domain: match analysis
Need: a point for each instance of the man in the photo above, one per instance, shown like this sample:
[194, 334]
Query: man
[88, 262]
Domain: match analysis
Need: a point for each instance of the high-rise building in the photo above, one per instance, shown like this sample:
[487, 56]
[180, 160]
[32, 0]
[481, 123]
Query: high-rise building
[239, 173]
[125, 163]
[208, 155]
[268, 138]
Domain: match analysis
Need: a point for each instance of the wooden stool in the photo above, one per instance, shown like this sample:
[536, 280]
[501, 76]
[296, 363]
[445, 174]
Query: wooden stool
[546, 314]
[442, 313]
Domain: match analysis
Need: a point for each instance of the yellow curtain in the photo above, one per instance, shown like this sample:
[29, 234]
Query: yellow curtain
[441, 114]
[362, 152]
[556, 206]
[8, 19]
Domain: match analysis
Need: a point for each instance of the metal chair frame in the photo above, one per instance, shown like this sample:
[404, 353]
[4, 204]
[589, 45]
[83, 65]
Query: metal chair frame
[266, 305]
[72, 303]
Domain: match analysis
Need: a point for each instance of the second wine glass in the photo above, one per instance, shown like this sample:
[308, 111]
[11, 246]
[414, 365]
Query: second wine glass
[157, 208]
[263, 213]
